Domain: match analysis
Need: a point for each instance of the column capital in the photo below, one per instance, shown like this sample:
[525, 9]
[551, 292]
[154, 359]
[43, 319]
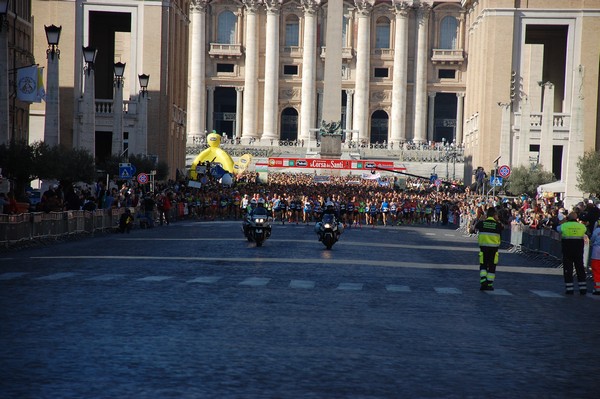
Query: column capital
[460, 94]
[400, 8]
[239, 88]
[504, 105]
[252, 5]
[349, 92]
[364, 7]
[310, 6]
[423, 11]
[547, 85]
[198, 5]
[273, 6]
[210, 88]
[432, 94]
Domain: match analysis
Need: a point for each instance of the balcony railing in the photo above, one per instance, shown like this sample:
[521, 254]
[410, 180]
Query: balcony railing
[292, 51]
[561, 123]
[384, 53]
[347, 53]
[448, 56]
[220, 50]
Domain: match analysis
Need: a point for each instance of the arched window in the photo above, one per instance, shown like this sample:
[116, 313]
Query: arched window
[292, 31]
[226, 28]
[448, 33]
[382, 33]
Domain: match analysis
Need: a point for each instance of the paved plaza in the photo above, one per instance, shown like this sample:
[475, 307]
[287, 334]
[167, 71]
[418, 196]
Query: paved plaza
[192, 310]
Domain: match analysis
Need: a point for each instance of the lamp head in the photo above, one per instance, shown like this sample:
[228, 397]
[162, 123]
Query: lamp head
[52, 34]
[89, 54]
[119, 69]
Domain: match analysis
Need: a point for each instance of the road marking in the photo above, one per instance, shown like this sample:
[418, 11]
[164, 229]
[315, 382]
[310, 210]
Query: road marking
[106, 277]
[397, 288]
[350, 286]
[255, 281]
[447, 290]
[430, 234]
[546, 294]
[205, 279]
[498, 291]
[11, 276]
[154, 278]
[302, 284]
[449, 235]
[319, 261]
[57, 276]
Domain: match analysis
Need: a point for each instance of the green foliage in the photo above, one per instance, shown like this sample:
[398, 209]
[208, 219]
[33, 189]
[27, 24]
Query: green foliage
[588, 173]
[525, 180]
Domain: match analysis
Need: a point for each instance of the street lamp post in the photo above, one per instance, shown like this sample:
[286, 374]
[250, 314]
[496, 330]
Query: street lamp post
[87, 134]
[117, 137]
[4, 94]
[52, 118]
[143, 113]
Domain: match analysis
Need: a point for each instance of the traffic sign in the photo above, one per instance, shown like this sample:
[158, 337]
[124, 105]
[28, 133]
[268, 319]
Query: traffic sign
[496, 181]
[126, 170]
[504, 171]
[438, 182]
[142, 178]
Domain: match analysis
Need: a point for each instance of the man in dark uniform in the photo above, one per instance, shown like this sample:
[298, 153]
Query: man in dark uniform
[572, 233]
[489, 241]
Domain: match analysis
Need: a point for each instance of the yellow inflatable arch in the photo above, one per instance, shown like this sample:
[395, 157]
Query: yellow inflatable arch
[213, 154]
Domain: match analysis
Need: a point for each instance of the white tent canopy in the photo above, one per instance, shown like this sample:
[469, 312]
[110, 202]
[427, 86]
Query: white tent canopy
[554, 187]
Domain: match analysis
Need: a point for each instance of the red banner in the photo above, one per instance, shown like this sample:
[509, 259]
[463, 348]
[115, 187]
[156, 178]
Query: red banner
[338, 164]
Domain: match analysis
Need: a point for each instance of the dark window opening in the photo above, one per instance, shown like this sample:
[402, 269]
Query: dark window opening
[227, 68]
[290, 69]
[447, 74]
[381, 73]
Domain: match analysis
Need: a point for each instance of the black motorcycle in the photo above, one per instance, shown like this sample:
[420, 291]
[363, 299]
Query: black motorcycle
[329, 230]
[256, 226]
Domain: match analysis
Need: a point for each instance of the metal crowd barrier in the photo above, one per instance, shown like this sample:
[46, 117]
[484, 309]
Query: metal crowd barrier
[541, 241]
[38, 225]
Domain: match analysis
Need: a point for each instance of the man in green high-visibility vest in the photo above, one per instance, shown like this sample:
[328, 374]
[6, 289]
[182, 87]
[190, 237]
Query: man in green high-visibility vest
[573, 236]
[489, 241]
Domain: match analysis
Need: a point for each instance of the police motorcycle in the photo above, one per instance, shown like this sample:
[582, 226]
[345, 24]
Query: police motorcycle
[329, 229]
[256, 225]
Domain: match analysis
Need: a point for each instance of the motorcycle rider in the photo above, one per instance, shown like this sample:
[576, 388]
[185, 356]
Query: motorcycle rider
[257, 207]
[329, 210]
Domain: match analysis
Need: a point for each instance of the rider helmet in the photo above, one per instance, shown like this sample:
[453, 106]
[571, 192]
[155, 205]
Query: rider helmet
[261, 201]
[253, 202]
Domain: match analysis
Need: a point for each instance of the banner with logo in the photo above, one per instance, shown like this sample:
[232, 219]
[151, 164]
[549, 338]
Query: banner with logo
[41, 92]
[27, 84]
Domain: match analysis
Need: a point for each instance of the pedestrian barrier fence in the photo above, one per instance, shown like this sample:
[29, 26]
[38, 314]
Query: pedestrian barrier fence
[54, 225]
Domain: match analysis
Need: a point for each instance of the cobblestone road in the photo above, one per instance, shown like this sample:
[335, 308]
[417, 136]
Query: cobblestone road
[194, 311]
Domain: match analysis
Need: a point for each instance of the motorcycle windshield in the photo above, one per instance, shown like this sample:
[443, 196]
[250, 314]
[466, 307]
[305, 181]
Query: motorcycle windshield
[260, 212]
[328, 218]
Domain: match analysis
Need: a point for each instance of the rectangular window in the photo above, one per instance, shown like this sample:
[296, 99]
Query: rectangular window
[381, 73]
[225, 68]
[447, 74]
[290, 69]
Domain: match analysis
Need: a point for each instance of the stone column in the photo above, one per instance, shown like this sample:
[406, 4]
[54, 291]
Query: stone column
[547, 127]
[431, 114]
[576, 143]
[52, 117]
[142, 139]
[332, 81]
[210, 109]
[460, 102]
[249, 124]
[197, 99]
[398, 123]
[363, 50]
[87, 132]
[271, 105]
[4, 109]
[238, 111]
[524, 130]
[117, 111]
[309, 51]
[421, 73]
[349, 95]
[505, 135]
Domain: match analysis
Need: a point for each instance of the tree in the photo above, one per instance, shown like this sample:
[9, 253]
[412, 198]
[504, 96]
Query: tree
[17, 163]
[588, 172]
[525, 180]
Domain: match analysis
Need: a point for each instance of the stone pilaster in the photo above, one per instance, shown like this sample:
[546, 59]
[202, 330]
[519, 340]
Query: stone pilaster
[546, 139]
[197, 92]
